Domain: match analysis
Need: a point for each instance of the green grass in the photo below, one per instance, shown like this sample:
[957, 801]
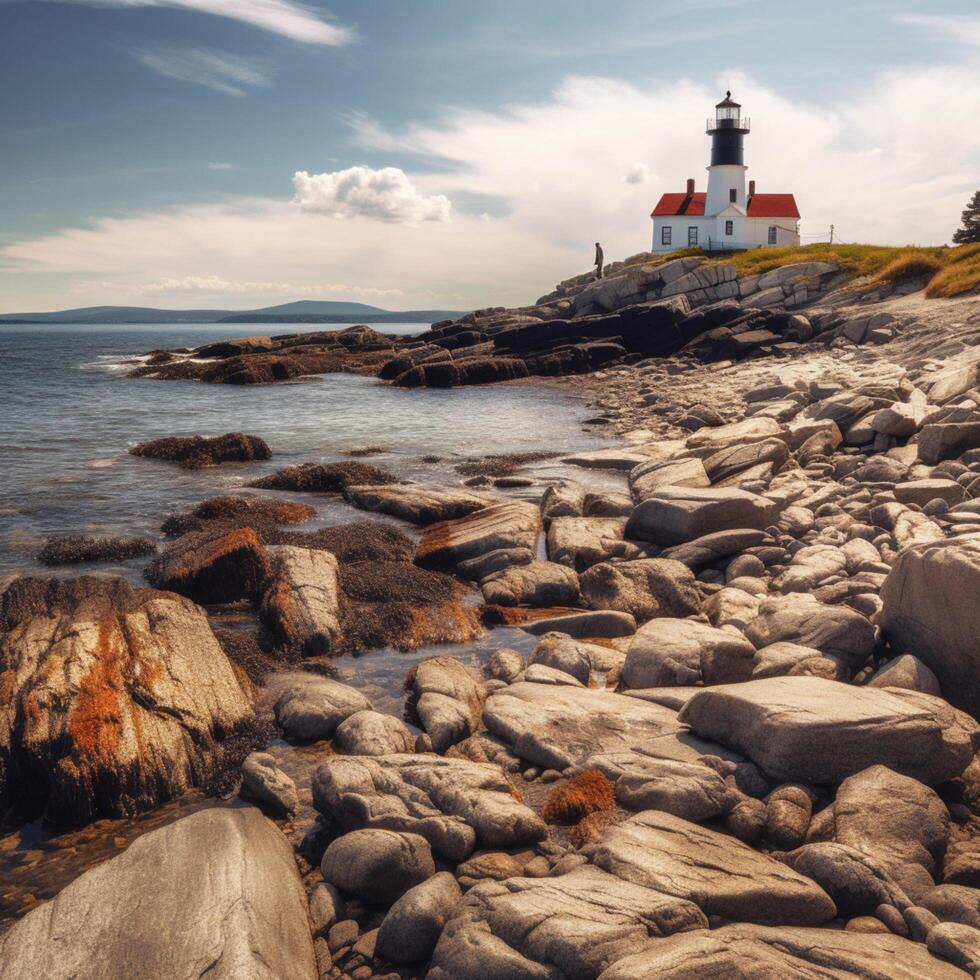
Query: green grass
[948, 271]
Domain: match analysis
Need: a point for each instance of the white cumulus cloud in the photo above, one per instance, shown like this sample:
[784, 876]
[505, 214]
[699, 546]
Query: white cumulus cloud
[384, 195]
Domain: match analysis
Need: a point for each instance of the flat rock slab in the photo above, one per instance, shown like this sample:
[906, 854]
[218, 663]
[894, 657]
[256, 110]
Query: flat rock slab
[416, 504]
[557, 727]
[763, 952]
[602, 623]
[509, 525]
[573, 925]
[720, 874]
[673, 515]
[453, 803]
[580, 542]
[215, 894]
[814, 730]
[709, 548]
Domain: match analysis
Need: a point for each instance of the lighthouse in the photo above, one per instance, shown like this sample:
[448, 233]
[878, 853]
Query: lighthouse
[729, 215]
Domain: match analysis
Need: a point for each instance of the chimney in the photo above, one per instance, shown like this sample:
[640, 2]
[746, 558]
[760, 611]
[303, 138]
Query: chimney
[690, 186]
[751, 188]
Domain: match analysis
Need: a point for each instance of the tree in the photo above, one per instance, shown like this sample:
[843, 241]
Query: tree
[970, 232]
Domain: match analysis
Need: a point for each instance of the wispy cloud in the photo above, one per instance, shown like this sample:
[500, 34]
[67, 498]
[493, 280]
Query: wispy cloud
[959, 28]
[293, 20]
[216, 70]
[219, 165]
[384, 195]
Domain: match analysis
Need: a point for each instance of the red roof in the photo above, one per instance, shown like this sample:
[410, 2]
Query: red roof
[680, 204]
[760, 205]
[773, 206]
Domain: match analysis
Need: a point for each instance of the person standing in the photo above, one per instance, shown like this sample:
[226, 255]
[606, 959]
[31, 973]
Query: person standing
[599, 258]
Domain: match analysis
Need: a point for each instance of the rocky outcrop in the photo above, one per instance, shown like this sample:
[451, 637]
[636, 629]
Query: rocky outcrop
[112, 699]
[222, 880]
[456, 805]
[193, 452]
[507, 525]
[417, 505]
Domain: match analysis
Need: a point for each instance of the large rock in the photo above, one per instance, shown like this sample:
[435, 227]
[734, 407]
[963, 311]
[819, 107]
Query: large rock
[301, 600]
[310, 707]
[649, 477]
[581, 542]
[807, 729]
[377, 865]
[645, 589]
[212, 566]
[453, 803]
[671, 652]
[573, 925]
[509, 525]
[215, 895]
[111, 698]
[735, 433]
[538, 583]
[559, 727]
[416, 504]
[931, 611]
[720, 874]
[677, 514]
[710, 548]
[410, 930]
[897, 821]
[947, 440]
[733, 460]
[836, 630]
[373, 733]
[763, 952]
[448, 699]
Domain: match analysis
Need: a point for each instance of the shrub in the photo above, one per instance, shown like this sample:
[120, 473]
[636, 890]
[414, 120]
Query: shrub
[589, 792]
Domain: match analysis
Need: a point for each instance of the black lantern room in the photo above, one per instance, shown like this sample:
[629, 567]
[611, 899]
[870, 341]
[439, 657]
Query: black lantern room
[726, 131]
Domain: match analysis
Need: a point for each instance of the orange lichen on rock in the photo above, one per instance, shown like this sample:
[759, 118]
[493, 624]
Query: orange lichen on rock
[589, 792]
[95, 721]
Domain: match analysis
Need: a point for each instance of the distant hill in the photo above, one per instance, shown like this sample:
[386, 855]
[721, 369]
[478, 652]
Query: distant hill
[302, 311]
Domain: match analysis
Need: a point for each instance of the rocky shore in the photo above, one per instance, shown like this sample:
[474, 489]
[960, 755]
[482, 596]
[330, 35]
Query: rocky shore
[739, 740]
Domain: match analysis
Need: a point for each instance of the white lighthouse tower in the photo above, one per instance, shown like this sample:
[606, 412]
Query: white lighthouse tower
[729, 216]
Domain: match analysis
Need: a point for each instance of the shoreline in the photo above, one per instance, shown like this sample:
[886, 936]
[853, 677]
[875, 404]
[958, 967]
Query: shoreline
[715, 661]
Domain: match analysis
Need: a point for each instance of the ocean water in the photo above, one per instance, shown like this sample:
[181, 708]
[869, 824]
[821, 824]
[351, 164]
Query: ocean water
[68, 415]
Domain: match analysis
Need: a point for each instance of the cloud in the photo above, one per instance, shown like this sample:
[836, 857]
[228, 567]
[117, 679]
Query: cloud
[878, 161]
[292, 20]
[216, 70]
[383, 195]
[639, 173]
[961, 29]
[219, 165]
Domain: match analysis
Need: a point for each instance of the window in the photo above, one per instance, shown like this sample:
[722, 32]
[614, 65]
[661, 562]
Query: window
[772, 234]
[733, 195]
[665, 235]
[692, 235]
[729, 227]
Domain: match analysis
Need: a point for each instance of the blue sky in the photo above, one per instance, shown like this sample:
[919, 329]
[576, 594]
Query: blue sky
[427, 152]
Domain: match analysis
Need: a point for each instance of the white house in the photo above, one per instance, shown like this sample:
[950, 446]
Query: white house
[725, 217]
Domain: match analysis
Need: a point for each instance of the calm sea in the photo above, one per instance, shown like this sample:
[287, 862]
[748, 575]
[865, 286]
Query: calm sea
[68, 414]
